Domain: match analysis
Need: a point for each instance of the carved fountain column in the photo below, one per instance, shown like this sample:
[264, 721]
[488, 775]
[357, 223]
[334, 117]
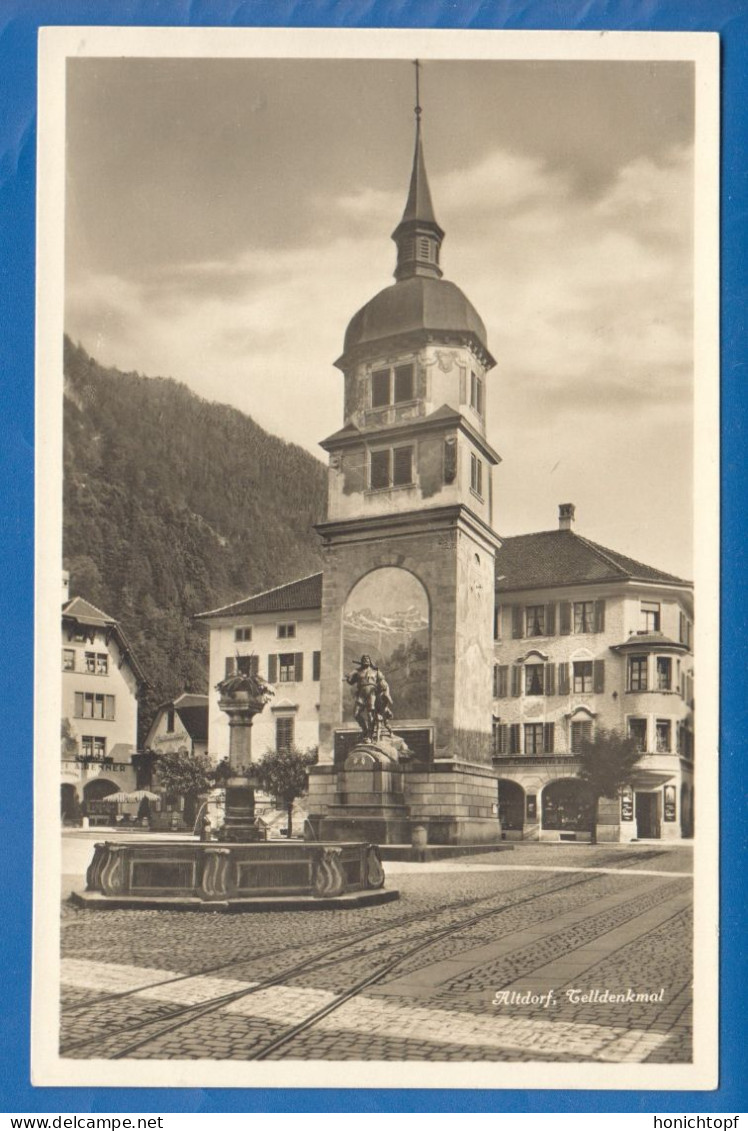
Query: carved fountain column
[241, 697]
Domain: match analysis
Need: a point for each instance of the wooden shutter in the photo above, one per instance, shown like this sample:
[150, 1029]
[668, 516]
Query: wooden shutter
[503, 730]
[272, 668]
[514, 738]
[548, 737]
[516, 679]
[79, 704]
[230, 666]
[254, 665]
[503, 681]
[564, 618]
[316, 664]
[599, 616]
[496, 681]
[598, 679]
[550, 619]
[563, 679]
[517, 612]
[108, 706]
[299, 666]
[550, 682]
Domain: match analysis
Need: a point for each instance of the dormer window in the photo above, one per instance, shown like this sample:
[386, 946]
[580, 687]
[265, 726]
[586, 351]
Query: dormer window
[391, 386]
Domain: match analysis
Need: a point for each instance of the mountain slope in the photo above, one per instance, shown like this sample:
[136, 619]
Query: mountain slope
[173, 505]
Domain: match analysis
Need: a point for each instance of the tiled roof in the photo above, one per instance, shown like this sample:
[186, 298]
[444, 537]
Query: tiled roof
[86, 613]
[306, 593]
[561, 557]
[649, 639]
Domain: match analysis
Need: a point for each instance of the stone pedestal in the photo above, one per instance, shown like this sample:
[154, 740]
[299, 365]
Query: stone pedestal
[369, 799]
[239, 827]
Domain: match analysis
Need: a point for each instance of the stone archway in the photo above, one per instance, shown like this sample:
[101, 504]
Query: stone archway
[511, 805]
[566, 807]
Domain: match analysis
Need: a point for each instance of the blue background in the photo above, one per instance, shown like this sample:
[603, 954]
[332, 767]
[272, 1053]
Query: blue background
[19, 21]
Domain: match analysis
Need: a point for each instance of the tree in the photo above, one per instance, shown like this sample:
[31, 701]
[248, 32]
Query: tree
[182, 774]
[283, 774]
[605, 765]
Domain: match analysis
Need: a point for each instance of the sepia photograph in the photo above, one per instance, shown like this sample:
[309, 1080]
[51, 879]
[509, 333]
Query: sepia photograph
[377, 428]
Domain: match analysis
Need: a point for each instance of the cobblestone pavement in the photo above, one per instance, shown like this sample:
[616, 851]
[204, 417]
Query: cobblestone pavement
[593, 927]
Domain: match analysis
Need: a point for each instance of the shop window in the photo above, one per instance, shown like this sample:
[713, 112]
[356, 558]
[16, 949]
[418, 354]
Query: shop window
[637, 672]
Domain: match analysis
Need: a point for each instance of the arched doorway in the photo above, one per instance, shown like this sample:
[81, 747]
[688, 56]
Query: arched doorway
[387, 617]
[511, 806]
[566, 807]
[70, 807]
[94, 806]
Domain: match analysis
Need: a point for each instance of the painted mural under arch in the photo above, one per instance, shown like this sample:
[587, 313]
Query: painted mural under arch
[386, 617]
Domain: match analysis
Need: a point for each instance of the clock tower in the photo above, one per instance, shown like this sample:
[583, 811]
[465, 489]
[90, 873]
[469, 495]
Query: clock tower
[410, 547]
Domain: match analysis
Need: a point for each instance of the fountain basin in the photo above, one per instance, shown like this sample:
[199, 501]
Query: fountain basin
[205, 876]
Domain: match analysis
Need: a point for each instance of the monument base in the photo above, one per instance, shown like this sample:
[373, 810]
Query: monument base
[185, 875]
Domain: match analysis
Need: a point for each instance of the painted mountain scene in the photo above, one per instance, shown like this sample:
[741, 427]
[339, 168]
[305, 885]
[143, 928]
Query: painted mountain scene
[387, 617]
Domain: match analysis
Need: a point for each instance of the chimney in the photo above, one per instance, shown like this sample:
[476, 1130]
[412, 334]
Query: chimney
[65, 586]
[565, 516]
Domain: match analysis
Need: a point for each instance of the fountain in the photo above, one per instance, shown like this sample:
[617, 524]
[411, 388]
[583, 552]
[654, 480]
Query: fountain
[242, 871]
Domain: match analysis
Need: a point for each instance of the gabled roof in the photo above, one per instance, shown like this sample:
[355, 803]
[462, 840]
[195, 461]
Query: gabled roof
[562, 557]
[306, 593]
[78, 611]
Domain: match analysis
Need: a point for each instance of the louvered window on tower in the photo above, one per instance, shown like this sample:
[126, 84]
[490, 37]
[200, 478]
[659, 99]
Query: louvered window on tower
[424, 248]
[391, 467]
[392, 386]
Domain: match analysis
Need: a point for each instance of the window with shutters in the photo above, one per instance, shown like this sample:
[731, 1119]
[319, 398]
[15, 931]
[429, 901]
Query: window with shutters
[476, 393]
[391, 467]
[582, 676]
[243, 633]
[500, 681]
[664, 673]
[284, 732]
[637, 673]
[286, 667]
[394, 385]
[316, 665]
[534, 679]
[584, 616]
[89, 705]
[534, 738]
[663, 730]
[650, 616]
[638, 731]
[68, 659]
[476, 475]
[535, 620]
[581, 731]
[286, 631]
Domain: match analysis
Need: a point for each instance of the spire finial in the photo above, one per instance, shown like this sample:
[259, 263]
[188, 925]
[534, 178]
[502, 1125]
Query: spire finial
[417, 65]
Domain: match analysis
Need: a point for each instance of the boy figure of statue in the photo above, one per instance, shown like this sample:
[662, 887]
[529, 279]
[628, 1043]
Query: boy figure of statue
[373, 702]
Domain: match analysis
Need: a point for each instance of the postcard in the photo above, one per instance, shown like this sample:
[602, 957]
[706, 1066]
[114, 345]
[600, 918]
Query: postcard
[377, 484]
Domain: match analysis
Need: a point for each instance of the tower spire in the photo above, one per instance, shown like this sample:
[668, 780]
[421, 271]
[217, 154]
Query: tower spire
[418, 236]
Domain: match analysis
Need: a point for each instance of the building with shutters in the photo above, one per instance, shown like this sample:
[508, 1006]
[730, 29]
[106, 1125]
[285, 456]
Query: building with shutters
[101, 681]
[585, 637]
[277, 635]
[502, 654]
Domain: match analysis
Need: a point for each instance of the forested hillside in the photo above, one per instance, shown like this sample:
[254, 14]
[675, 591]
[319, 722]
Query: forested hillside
[174, 505]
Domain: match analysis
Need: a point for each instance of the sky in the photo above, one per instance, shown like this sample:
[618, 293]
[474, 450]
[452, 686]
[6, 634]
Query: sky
[226, 218]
